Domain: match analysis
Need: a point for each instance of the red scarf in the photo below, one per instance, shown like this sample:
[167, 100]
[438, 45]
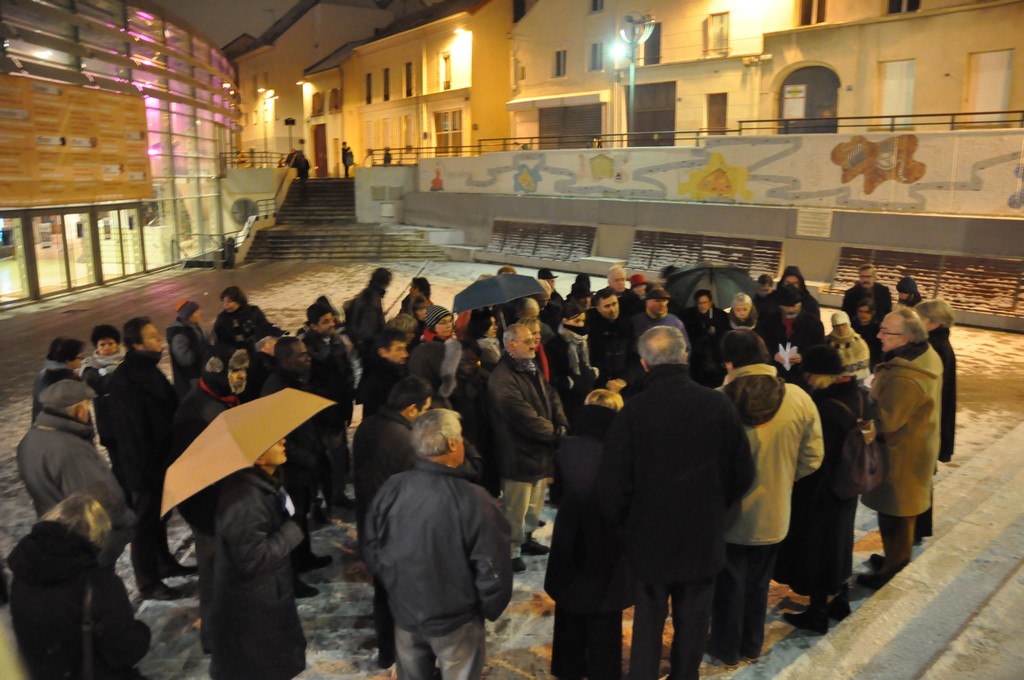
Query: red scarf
[230, 401]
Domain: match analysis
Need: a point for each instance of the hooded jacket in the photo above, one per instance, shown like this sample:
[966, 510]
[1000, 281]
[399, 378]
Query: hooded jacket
[784, 432]
[908, 392]
[51, 567]
[188, 349]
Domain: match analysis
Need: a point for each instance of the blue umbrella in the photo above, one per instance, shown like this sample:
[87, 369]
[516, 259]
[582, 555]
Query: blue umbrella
[496, 290]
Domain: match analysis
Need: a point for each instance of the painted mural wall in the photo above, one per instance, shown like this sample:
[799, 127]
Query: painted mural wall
[959, 173]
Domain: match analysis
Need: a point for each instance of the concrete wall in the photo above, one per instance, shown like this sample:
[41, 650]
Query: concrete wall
[380, 193]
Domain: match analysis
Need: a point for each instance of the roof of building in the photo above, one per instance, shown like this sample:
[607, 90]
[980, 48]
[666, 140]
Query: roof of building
[428, 15]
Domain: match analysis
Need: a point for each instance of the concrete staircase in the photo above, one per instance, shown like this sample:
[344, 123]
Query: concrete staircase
[322, 226]
[348, 243]
[328, 201]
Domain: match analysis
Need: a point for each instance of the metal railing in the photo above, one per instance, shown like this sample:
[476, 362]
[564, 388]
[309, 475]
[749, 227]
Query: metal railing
[200, 245]
[609, 140]
[412, 155]
[981, 120]
[250, 159]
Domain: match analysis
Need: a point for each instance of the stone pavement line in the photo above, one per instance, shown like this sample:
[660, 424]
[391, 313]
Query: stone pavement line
[897, 633]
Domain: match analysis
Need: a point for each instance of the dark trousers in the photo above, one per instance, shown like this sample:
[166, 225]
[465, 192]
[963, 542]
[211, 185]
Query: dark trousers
[206, 551]
[149, 542]
[741, 599]
[302, 499]
[335, 467]
[383, 624]
[897, 541]
[691, 612]
[586, 645]
[923, 525]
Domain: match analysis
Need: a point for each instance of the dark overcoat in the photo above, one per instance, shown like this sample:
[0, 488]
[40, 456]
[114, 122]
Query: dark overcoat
[144, 406]
[256, 629]
[51, 567]
[808, 331]
[587, 571]
[526, 414]
[939, 340]
[676, 458]
[817, 553]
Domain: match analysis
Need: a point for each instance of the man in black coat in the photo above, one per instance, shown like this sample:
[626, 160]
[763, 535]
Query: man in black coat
[304, 451]
[792, 325]
[261, 365]
[676, 458]
[706, 325]
[144, 403]
[222, 380]
[609, 339]
[461, 574]
[383, 366]
[331, 376]
[365, 318]
[867, 287]
[528, 422]
[382, 447]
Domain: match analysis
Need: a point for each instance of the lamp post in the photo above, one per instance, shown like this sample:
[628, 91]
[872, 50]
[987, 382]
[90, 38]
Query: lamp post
[637, 30]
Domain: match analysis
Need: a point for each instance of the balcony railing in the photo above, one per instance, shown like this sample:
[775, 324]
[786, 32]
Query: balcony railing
[981, 120]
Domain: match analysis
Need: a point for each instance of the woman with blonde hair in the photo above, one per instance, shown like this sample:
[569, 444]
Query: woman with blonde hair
[587, 575]
[59, 587]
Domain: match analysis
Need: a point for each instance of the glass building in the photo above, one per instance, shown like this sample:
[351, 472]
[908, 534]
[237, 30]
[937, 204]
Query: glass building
[125, 56]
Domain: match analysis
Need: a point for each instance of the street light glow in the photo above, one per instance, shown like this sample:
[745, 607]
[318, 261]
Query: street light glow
[619, 50]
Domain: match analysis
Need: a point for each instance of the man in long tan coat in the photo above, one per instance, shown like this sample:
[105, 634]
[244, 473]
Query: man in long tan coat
[908, 389]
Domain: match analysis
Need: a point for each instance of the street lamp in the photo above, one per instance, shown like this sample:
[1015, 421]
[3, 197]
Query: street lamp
[637, 30]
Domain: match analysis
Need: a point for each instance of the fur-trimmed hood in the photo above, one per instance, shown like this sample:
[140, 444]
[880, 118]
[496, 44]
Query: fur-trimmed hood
[757, 392]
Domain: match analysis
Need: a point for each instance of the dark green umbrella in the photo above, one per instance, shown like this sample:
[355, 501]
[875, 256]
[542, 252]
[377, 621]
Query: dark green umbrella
[723, 280]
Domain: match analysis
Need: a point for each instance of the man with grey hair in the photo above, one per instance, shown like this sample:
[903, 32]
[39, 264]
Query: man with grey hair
[440, 545]
[528, 421]
[57, 458]
[676, 459]
[630, 303]
[908, 390]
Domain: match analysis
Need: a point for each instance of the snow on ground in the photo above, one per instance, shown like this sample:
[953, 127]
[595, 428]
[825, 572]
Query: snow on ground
[338, 622]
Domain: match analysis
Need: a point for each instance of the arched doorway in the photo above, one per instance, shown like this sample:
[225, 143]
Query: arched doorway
[809, 92]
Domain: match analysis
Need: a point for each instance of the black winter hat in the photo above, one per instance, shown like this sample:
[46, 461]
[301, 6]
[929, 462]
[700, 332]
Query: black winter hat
[787, 296]
[907, 285]
[822, 360]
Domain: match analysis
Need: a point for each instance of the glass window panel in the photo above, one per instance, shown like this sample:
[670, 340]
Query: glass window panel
[160, 165]
[148, 80]
[207, 147]
[78, 238]
[183, 124]
[13, 276]
[177, 38]
[184, 166]
[201, 50]
[145, 24]
[111, 259]
[39, 53]
[179, 87]
[94, 37]
[158, 233]
[108, 11]
[147, 53]
[103, 68]
[131, 240]
[48, 235]
[207, 167]
[208, 187]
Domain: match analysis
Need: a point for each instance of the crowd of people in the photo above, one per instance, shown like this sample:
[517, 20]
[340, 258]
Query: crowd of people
[693, 453]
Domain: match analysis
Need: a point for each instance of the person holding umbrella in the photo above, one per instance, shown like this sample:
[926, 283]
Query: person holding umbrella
[256, 631]
[254, 625]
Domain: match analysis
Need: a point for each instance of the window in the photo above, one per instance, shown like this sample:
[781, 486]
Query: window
[897, 89]
[716, 35]
[596, 5]
[652, 48]
[316, 104]
[446, 71]
[812, 12]
[335, 102]
[560, 58]
[902, 6]
[387, 84]
[988, 83]
[369, 88]
[717, 107]
[596, 57]
[448, 132]
[408, 79]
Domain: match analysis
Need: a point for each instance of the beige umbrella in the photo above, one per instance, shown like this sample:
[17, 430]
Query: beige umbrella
[235, 439]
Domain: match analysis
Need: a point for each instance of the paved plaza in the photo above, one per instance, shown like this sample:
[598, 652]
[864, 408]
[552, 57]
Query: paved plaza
[957, 611]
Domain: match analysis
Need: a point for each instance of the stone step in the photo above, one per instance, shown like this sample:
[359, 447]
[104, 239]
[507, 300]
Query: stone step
[919, 625]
